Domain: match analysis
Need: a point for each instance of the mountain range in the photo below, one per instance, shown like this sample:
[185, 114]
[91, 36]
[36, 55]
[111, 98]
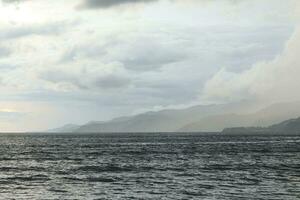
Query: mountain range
[64, 129]
[201, 118]
[287, 127]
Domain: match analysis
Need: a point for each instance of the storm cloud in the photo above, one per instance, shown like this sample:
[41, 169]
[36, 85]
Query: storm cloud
[4, 52]
[15, 32]
[14, 1]
[120, 59]
[98, 4]
[85, 79]
[137, 52]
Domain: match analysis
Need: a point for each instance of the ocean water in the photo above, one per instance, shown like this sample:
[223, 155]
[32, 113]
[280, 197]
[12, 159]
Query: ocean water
[149, 166]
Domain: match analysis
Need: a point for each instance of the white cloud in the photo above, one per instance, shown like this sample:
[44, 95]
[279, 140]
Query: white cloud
[97, 4]
[116, 62]
[90, 76]
[273, 81]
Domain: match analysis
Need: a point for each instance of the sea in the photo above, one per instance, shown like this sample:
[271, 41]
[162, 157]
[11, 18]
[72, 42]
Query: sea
[150, 166]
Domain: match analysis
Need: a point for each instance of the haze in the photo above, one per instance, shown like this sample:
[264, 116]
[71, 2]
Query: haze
[76, 61]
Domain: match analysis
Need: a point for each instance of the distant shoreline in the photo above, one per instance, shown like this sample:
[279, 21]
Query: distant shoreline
[149, 134]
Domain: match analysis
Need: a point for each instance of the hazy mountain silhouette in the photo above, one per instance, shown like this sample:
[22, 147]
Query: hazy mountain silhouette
[65, 128]
[265, 117]
[292, 125]
[287, 127]
[161, 121]
[193, 119]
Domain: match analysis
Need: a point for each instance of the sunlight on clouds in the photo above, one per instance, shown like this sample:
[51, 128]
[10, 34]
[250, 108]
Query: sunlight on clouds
[25, 116]
[57, 60]
[14, 14]
[270, 81]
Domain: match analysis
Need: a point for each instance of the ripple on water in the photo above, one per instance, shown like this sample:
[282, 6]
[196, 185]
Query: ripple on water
[160, 166]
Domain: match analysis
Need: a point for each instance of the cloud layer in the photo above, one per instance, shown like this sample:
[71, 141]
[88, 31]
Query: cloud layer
[64, 65]
[273, 81]
[98, 4]
[270, 81]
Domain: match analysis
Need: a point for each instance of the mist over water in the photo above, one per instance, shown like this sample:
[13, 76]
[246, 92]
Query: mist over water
[149, 166]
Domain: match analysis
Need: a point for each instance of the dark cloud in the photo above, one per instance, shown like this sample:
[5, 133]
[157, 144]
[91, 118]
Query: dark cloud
[38, 29]
[111, 81]
[58, 76]
[77, 52]
[14, 1]
[4, 52]
[10, 1]
[102, 4]
[98, 4]
[147, 53]
[7, 67]
[166, 93]
[151, 60]
[86, 80]
[138, 54]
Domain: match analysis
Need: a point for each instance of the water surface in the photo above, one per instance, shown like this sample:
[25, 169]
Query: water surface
[149, 166]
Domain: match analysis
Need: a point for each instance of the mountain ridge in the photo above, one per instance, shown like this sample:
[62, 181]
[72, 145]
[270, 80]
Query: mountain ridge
[200, 118]
[287, 127]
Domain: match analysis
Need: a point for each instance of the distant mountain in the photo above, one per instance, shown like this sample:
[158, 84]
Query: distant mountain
[288, 126]
[162, 121]
[245, 130]
[201, 118]
[68, 128]
[265, 117]
[292, 125]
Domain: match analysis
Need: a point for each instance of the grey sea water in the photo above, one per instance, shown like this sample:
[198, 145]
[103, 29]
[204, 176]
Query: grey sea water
[149, 166]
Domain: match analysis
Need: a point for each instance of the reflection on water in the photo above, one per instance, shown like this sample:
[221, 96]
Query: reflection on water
[150, 166]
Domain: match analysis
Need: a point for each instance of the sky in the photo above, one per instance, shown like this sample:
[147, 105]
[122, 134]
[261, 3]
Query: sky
[75, 61]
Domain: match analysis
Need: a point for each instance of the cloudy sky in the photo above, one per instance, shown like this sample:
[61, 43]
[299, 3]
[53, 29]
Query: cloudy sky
[74, 61]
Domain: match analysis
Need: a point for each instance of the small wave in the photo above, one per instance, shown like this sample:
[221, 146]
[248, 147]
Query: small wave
[7, 169]
[57, 190]
[206, 186]
[29, 178]
[108, 168]
[101, 179]
[192, 193]
[20, 169]
[217, 167]
[92, 179]
[114, 168]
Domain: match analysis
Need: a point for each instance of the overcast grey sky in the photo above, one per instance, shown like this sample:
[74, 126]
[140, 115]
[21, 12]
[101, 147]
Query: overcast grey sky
[73, 61]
